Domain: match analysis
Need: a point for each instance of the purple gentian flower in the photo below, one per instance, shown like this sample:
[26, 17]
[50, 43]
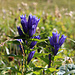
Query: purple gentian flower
[24, 23]
[33, 43]
[56, 42]
[30, 25]
[30, 56]
[20, 31]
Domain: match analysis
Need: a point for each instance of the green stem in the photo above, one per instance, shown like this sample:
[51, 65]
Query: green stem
[23, 58]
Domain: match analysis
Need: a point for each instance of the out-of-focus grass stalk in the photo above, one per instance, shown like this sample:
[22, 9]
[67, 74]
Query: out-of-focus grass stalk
[23, 58]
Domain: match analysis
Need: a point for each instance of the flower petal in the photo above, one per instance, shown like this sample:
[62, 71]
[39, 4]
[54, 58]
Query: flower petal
[24, 23]
[62, 39]
[20, 31]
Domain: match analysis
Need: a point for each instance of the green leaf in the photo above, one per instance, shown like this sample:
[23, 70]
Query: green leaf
[57, 57]
[37, 68]
[44, 59]
[19, 73]
[14, 42]
[29, 72]
[19, 56]
[40, 54]
[38, 40]
[15, 70]
[19, 37]
[52, 69]
[37, 73]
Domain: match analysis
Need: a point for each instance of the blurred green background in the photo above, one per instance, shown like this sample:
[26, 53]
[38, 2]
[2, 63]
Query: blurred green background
[43, 5]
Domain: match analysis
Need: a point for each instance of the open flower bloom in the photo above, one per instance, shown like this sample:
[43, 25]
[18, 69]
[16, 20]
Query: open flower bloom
[29, 28]
[56, 42]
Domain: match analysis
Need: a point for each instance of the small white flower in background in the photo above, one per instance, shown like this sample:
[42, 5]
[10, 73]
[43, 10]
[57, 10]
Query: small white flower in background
[43, 28]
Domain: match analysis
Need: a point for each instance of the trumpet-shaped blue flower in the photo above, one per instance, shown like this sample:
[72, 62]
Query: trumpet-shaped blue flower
[33, 43]
[24, 23]
[56, 42]
[30, 56]
[20, 31]
[29, 27]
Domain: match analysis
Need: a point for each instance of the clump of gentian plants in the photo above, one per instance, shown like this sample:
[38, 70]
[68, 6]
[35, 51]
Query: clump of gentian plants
[29, 28]
[56, 43]
[28, 39]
